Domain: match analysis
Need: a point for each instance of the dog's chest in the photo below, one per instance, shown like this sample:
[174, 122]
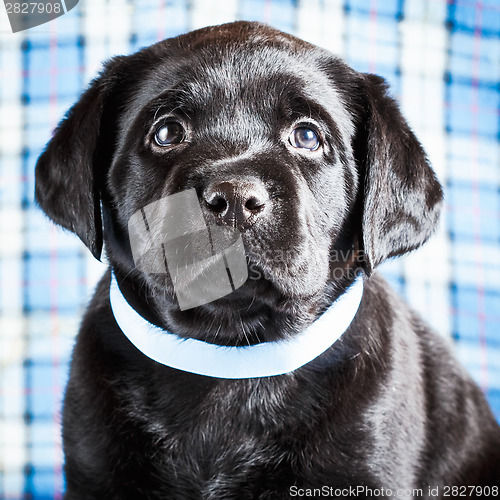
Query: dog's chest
[242, 441]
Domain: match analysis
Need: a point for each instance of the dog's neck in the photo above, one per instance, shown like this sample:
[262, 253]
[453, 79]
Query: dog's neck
[260, 360]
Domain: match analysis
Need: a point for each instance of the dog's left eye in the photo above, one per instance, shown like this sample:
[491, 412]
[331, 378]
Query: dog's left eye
[304, 138]
[169, 133]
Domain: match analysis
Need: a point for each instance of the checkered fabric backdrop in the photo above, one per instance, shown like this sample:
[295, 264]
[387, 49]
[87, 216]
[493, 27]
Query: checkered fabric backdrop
[442, 59]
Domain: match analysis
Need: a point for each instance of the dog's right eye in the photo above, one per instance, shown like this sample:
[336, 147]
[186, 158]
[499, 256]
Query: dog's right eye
[169, 133]
[304, 138]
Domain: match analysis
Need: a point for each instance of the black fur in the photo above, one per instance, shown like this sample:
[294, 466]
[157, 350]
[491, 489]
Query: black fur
[386, 406]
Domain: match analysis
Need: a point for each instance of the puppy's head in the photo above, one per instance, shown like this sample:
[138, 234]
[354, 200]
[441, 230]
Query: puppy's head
[309, 160]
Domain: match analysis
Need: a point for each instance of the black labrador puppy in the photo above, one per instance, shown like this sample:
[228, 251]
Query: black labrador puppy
[311, 377]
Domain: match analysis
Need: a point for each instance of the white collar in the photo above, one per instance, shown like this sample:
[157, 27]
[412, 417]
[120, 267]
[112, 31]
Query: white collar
[260, 360]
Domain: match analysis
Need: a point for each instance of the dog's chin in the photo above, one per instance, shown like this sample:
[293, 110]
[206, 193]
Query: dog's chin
[260, 310]
[285, 290]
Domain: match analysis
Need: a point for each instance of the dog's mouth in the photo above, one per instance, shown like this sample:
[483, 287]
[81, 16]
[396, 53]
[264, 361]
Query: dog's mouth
[202, 263]
[237, 281]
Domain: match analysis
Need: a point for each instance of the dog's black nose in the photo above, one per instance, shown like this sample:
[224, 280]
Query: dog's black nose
[237, 202]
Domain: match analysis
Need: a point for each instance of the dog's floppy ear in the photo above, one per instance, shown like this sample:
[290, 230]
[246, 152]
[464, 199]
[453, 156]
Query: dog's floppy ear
[70, 172]
[401, 195]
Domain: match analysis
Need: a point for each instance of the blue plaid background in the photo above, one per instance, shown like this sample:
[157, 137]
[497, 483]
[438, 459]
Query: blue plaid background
[442, 59]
